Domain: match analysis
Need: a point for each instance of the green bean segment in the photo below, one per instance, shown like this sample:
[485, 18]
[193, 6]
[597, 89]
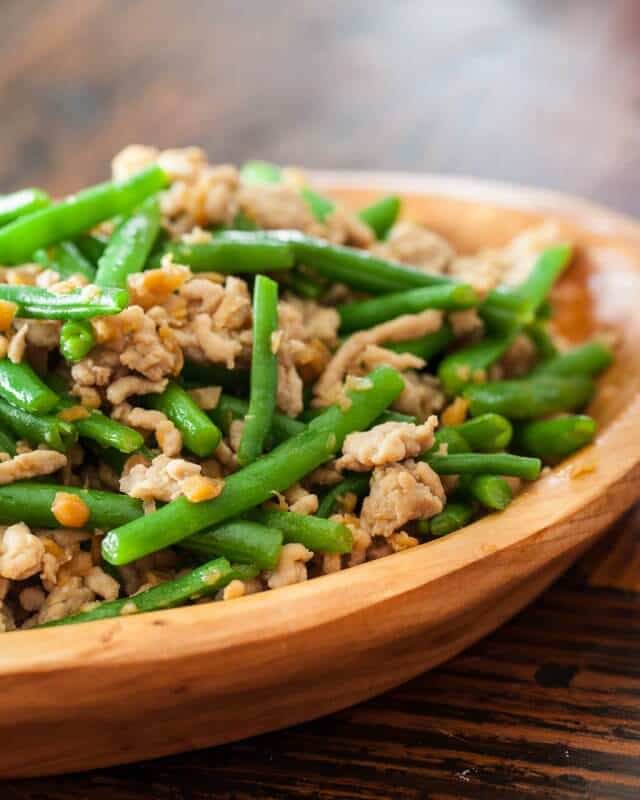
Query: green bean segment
[37, 429]
[381, 215]
[491, 491]
[454, 516]
[230, 408]
[22, 202]
[7, 443]
[76, 214]
[587, 360]
[553, 439]
[356, 484]
[66, 259]
[490, 463]
[21, 387]
[315, 533]
[234, 252]
[83, 303]
[531, 397]
[199, 434]
[241, 540]
[76, 339]
[470, 364]
[487, 433]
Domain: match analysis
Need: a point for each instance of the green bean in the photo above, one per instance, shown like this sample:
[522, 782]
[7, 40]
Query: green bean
[239, 540]
[319, 206]
[356, 484]
[455, 442]
[22, 202]
[230, 408]
[353, 266]
[203, 580]
[76, 214]
[491, 491]
[129, 246]
[199, 433]
[66, 259]
[215, 375]
[508, 308]
[394, 416]
[92, 246]
[530, 397]
[538, 333]
[479, 463]
[454, 516]
[426, 346]
[470, 364]
[486, 433]
[7, 443]
[315, 533]
[76, 339]
[381, 215]
[31, 502]
[260, 172]
[103, 430]
[264, 371]
[305, 286]
[84, 303]
[37, 429]
[553, 439]
[587, 359]
[20, 386]
[367, 313]
[234, 252]
[252, 485]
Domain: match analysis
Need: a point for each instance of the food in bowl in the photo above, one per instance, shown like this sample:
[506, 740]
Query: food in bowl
[216, 382]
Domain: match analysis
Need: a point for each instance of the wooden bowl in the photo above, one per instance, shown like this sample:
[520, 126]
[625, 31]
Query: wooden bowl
[133, 688]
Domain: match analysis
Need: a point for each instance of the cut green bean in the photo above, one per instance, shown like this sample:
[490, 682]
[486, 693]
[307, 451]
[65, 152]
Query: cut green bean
[92, 246]
[304, 285]
[76, 214]
[230, 408]
[356, 484]
[37, 429]
[241, 540]
[129, 246]
[31, 502]
[107, 432]
[202, 581]
[539, 334]
[487, 433]
[455, 515]
[7, 443]
[66, 259]
[20, 386]
[24, 201]
[587, 359]
[491, 491]
[367, 313]
[317, 534]
[264, 371]
[426, 346]
[199, 433]
[455, 442]
[553, 439]
[470, 364]
[490, 463]
[319, 206]
[381, 215]
[77, 339]
[530, 397]
[394, 416]
[260, 172]
[85, 303]
[252, 485]
[234, 252]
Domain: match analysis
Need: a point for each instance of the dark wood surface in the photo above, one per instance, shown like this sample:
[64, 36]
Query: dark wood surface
[535, 91]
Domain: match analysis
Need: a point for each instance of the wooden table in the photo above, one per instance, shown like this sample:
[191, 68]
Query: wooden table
[545, 93]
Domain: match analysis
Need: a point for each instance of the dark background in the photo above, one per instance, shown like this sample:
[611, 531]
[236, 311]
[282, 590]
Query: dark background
[543, 92]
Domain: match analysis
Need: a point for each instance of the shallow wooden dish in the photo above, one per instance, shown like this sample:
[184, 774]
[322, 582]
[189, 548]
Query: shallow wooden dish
[123, 690]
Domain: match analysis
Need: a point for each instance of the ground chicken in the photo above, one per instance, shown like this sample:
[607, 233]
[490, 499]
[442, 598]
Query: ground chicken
[291, 566]
[167, 435]
[6, 619]
[414, 244]
[68, 598]
[31, 598]
[466, 323]
[102, 584]
[275, 206]
[385, 444]
[124, 388]
[361, 538]
[301, 501]
[422, 395]
[161, 480]
[400, 493]
[342, 226]
[31, 465]
[18, 345]
[20, 553]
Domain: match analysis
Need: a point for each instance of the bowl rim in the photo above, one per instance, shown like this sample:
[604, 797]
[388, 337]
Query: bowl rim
[221, 626]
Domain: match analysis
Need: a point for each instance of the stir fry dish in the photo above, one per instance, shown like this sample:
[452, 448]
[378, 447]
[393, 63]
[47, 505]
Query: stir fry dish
[218, 381]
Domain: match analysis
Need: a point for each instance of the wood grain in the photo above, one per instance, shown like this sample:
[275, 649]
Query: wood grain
[539, 92]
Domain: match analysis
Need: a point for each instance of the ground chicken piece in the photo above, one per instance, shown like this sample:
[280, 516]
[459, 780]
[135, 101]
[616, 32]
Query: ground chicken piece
[414, 244]
[275, 206]
[361, 537]
[6, 619]
[161, 480]
[234, 312]
[402, 541]
[43, 333]
[400, 493]
[421, 396]
[289, 393]
[18, 345]
[30, 465]
[374, 356]
[342, 226]
[330, 562]
[123, 388]
[217, 347]
[291, 566]
[516, 361]
[65, 599]
[206, 397]
[31, 598]
[408, 326]
[89, 372]
[385, 444]
[5, 584]
[235, 434]
[154, 286]
[466, 323]
[307, 320]
[167, 435]
[20, 553]
[102, 584]
[211, 199]
[134, 158]
[326, 475]
[301, 501]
